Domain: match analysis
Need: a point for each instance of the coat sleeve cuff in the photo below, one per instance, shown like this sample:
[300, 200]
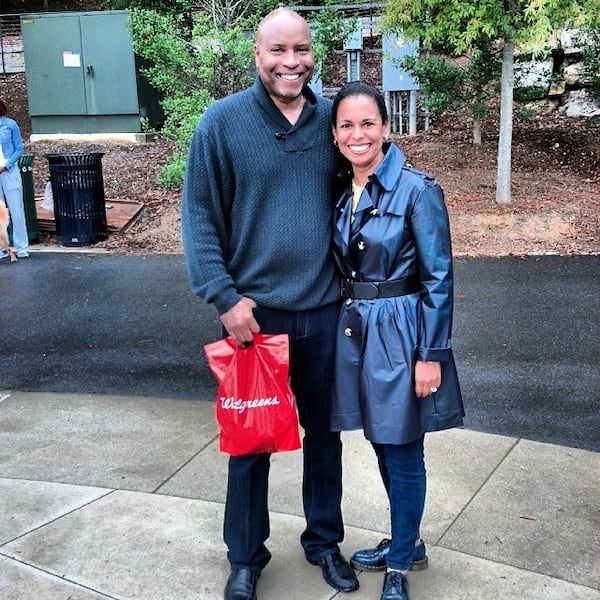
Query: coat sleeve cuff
[434, 354]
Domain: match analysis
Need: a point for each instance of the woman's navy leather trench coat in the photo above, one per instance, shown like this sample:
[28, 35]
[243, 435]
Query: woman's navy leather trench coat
[400, 230]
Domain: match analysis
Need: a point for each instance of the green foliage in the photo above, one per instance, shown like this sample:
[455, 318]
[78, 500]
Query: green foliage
[172, 173]
[479, 28]
[525, 113]
[442, 84]
[446, 86]
[158, 38]
[593, 122]
[191, 72]
[170, 6]
[463, 26]
[329, 31]
[529, 93]
[224, 58]
[225, 14]
[483, 69]
[590, 41]
[145, 125]
[182, 115]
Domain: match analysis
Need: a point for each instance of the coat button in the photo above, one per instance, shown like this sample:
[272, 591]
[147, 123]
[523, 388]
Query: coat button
[348, 331]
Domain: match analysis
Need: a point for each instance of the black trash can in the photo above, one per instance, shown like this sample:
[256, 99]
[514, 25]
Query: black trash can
[78, 192]
[25, 166]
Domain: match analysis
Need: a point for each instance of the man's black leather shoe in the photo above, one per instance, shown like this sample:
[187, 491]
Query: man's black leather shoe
[373, 559]
[395, 586]
[241, 584]
[337, 572]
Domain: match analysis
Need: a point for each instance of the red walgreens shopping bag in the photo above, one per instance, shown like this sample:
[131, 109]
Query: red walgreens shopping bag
[255, 406]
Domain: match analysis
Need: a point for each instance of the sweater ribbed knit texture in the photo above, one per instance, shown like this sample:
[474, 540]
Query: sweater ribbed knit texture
[257, 204]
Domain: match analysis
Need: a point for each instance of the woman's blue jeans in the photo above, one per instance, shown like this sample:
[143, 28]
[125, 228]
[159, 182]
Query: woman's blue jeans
[11, 188]
[402, 469]
[246, 527]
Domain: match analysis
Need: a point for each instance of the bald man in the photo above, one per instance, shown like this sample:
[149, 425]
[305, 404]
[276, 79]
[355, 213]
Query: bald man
[256, 223]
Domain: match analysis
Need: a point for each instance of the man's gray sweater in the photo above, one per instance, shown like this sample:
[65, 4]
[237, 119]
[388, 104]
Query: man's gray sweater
[257, 204]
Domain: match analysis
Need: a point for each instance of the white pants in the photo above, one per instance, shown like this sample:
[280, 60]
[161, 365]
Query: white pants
[11, 188]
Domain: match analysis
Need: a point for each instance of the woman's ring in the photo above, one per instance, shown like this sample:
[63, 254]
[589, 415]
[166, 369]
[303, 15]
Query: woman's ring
[433, 390]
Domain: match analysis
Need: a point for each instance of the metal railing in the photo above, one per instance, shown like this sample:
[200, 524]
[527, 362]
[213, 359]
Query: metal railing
[12, 58]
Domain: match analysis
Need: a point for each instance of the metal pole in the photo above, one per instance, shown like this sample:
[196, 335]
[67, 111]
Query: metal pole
[2, 47]
[412, 113]
[348, 67]
[388, 107]
[400, 113]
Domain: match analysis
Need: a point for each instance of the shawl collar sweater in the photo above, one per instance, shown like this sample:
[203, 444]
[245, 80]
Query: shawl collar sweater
[257, 204]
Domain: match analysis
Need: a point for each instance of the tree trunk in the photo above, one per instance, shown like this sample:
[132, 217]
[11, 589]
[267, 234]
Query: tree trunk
[503, 193]
[476, 131]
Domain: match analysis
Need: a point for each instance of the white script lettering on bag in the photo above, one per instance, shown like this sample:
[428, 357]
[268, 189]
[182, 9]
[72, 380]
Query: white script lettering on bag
[231, 403]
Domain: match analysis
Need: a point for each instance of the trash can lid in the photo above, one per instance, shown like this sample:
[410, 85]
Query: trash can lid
[75, 158]
[26, 160]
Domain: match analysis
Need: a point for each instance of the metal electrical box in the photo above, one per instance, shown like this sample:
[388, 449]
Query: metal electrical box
[81, 74]
[394, 78]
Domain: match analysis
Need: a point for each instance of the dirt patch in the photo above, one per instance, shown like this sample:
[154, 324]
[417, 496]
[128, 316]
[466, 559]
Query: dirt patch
[555, 183]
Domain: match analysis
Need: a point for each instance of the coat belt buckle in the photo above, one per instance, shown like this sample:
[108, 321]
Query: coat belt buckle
[346, 288]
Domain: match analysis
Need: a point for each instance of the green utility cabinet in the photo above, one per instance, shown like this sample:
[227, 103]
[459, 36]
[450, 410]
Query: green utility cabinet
[81, 74]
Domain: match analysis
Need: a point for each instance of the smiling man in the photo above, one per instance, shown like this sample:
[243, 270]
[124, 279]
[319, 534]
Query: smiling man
[284, 60]
[256, 223]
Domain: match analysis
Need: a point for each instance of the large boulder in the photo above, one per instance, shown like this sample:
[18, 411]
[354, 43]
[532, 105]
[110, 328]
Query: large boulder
[581, 103]
[575, 75]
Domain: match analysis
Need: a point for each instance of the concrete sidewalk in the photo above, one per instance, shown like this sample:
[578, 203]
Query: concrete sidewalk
[122, 497]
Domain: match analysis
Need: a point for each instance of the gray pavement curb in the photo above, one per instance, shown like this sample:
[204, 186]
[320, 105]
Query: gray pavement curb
[121, 497]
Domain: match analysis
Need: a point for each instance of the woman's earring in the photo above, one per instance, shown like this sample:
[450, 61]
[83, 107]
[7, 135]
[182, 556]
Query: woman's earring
[335, 142]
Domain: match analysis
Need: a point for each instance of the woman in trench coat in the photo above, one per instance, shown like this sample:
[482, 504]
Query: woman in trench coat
[395, 374]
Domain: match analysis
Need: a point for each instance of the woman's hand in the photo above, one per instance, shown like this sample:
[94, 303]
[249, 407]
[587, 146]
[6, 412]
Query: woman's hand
[428, 378]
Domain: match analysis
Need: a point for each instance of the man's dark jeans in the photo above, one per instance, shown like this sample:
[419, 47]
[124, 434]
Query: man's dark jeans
[246, 528]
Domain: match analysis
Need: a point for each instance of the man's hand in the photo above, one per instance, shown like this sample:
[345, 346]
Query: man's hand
[428, 378]
[239, 321]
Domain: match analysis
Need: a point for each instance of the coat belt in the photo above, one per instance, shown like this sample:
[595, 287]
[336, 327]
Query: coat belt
[369, 290]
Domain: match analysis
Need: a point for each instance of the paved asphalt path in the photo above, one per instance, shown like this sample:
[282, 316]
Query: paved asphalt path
[526, 334]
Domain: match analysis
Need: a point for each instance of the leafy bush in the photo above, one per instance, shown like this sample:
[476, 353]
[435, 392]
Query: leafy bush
[529, 93]
[172, 6]
[191, 70]
[329, 32]
[446, 86]
[442, 84]
[591, 58]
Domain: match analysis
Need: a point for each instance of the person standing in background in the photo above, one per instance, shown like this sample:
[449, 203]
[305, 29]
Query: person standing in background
[11, 185]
